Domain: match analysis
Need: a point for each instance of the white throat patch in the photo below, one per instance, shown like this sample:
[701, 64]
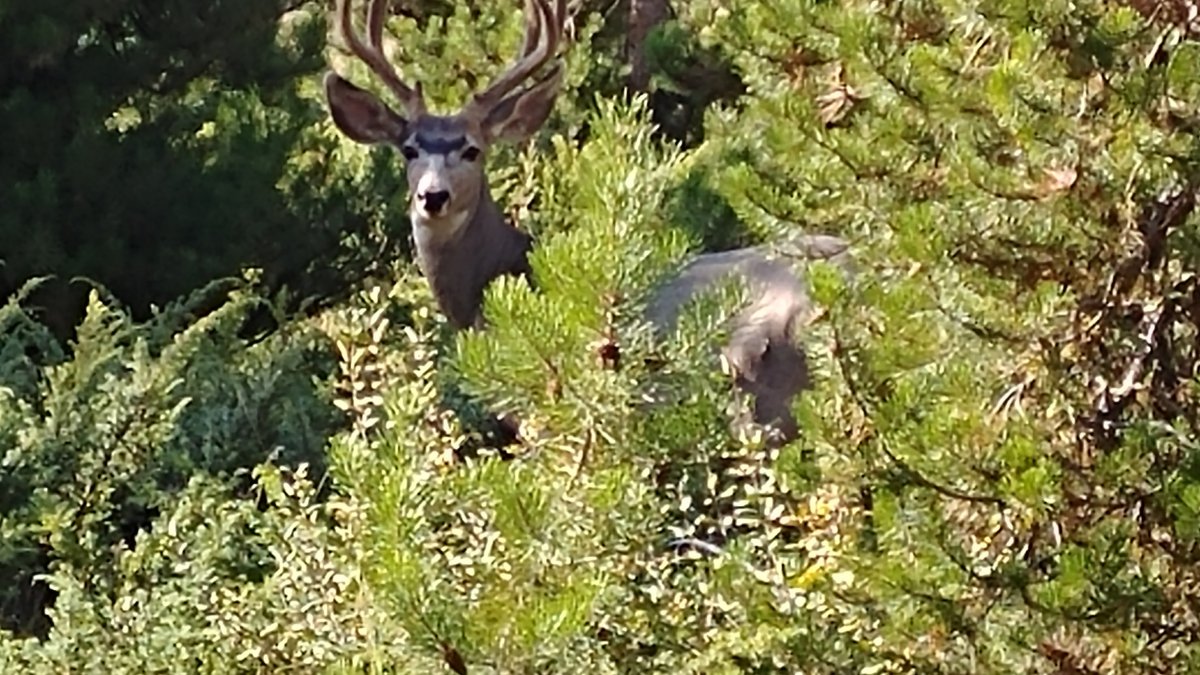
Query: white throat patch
[437, 231]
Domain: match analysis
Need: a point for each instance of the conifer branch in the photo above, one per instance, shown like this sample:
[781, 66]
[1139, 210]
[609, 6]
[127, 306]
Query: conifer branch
[944, 490]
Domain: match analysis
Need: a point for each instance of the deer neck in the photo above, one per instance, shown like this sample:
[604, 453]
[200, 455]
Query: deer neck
[461, 255]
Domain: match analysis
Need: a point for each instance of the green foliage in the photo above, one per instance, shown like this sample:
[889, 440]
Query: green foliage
[567, 558]
[219, 584]
[542, 348]
[1006, 385]
[998, 470]
[98, 443]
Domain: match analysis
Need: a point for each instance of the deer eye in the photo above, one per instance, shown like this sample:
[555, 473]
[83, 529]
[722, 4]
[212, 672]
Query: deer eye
[470, 154]
[409, 152]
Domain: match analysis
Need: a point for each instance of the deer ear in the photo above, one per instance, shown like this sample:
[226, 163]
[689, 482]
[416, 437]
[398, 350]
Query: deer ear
[360, 114]
[516, 117]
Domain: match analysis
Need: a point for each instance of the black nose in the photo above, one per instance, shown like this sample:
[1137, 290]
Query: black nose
[434, 201]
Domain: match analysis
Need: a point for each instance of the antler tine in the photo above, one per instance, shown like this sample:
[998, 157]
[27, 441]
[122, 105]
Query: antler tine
[371, 53]
[534, 24]
[376, 15]
[544, 26]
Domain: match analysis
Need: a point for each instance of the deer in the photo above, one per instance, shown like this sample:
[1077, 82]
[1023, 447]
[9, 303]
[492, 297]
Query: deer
[463, 240]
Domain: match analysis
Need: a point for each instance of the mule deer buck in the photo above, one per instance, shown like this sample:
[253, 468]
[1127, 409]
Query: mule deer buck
[463, 240]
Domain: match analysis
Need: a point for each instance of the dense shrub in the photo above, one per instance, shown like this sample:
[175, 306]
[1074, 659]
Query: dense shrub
[220, 583]
[98, 440]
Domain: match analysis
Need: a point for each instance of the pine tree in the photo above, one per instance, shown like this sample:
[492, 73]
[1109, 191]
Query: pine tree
[1004, 399]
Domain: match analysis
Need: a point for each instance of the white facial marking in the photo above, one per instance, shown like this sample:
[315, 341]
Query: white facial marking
[429, 232]
[433, 174]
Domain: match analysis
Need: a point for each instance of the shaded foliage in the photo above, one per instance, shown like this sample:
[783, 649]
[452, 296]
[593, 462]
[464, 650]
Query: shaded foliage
[152, 147]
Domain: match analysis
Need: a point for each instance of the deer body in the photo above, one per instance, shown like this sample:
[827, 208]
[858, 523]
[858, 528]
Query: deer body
[463, 242]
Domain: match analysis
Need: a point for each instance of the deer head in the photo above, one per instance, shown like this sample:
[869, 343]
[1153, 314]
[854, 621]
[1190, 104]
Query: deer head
[445, 153]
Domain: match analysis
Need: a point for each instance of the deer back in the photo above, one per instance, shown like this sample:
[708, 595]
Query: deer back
[777, 298]
[761, 350]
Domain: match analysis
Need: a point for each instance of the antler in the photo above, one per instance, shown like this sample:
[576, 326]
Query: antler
[371, 52]
[545, 23]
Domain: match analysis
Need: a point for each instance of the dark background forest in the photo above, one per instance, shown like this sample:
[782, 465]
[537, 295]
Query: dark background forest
[236, 435]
